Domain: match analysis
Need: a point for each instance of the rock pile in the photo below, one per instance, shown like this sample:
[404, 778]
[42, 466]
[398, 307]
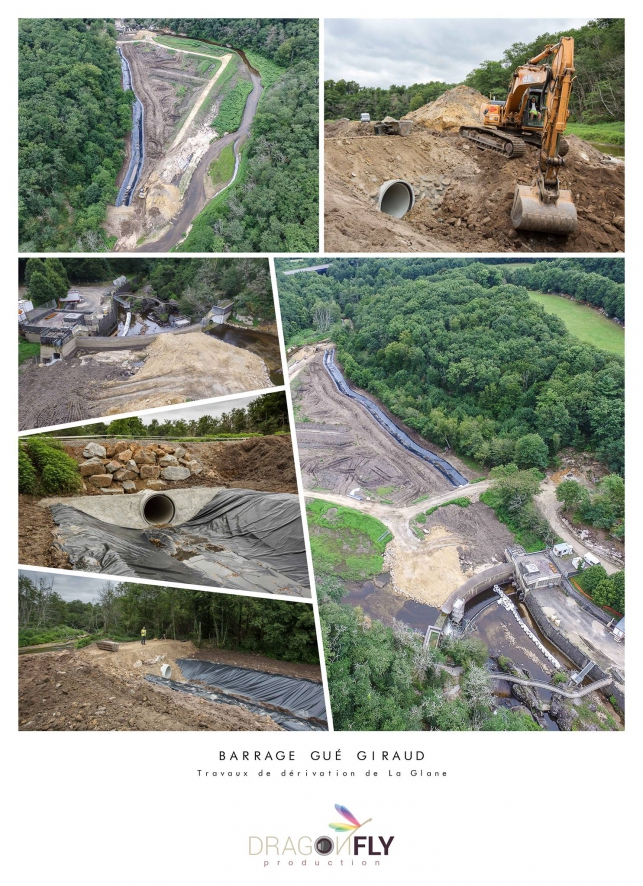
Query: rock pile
[128, 467]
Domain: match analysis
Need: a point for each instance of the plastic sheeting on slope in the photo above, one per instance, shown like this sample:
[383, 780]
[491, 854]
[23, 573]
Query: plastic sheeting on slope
[305, 698]
[286, 721]
[242, 539]
[447, 470]
[258, 525]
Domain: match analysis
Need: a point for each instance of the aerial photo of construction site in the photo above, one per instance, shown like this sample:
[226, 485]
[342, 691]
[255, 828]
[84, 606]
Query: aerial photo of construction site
[151, 135]
[102, 336]
[459, 425]
[205, 495]
[520, 153]
[105, 655]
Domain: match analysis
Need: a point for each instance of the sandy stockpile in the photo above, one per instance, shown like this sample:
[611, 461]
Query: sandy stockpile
[192, 366]
[346, 127]
[341, 447]
[458, 543]
[455, 108]
[463, 195]
[82, 690]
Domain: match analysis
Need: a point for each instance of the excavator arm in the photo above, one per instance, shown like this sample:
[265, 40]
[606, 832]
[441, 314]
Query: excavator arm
[544, 206]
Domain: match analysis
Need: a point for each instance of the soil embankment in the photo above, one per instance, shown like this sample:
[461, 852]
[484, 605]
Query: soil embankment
[91, 689]
[463, 194]
[173, 369]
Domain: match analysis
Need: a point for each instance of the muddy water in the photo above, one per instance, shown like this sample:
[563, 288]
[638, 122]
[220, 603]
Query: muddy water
[612, 150]
[499, 630]
[262, 344]
[384, 605]
[142, 324]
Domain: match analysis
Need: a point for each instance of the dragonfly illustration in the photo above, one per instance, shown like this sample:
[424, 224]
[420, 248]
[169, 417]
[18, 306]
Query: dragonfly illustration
[353, 823]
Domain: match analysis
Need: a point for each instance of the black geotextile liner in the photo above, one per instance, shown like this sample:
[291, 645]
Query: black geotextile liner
[447, 470]
[286, 721]
[258, 526]
[305, 698]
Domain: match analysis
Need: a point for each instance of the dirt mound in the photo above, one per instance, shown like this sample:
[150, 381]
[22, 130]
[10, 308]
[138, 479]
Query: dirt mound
[346, 127]
[81, 690]
[463, 197]
[192, 366]
[262, 463]
[35, 535]
[453, 109]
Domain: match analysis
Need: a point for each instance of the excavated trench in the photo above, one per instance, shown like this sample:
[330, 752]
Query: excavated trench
[137, 158]
[440, 464]
[295, 704]
[228, 538]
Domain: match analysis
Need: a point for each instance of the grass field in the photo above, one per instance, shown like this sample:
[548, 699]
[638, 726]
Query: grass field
[222, 169]
[27, 349]
[608, 133]
[584, 322]
[345, 542]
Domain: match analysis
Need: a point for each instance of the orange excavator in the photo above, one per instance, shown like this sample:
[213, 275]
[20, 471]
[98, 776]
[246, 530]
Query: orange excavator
[535, 111]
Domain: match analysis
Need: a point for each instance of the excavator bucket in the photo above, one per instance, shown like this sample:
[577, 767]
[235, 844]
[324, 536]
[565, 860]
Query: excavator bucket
[530, 213]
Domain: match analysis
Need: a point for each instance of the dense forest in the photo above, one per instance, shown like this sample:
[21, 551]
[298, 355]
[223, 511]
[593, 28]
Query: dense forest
[599, 88]
[193, 285]
[267, 414]
[464, 357]
[575, 278]
[73, 118]
[281, 630]
[273, 205]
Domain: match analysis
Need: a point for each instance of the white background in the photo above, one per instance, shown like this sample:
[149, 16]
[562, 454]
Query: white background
[123, 808]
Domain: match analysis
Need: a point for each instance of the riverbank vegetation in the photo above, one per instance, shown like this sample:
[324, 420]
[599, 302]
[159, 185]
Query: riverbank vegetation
[604, 589]
[346, 542]
[604, 508]
[73, 119]
[275, 628]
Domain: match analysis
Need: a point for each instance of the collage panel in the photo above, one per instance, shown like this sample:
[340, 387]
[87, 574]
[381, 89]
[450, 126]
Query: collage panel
[100, 336]
[105, 654]
[460, 430]
[508, 135]
[189, 135]
[203, 495]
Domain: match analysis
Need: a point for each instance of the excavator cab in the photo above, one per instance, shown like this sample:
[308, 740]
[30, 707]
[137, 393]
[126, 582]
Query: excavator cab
[533, 116]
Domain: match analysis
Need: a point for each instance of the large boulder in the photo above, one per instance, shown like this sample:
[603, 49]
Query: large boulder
[168, 461]
[120, 446]
[175, 473]
[150, 472]
[131, 466]
[110, 450]
[112, 466]
[145, 457]
[124, 455]
[180, 452]
[157, 485]
[94, 449]
[124, 474]
[128, 486]
[92, 467]
[100, 480]
[194, 467]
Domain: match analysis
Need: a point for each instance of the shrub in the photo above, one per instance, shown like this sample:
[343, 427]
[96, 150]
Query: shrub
[27, 476]
[58, 471]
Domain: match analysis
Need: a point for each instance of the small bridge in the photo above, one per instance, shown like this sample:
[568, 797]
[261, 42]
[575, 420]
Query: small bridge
[578, 693]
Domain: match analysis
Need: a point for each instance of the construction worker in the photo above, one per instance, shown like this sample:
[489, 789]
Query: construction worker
[143, 635]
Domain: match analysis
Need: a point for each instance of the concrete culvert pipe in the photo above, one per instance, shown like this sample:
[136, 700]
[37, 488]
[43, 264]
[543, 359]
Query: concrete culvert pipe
[166, 671]
[396, 198]
[157, 510]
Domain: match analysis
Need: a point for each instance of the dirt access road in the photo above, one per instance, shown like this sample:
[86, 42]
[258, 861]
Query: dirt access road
[550, 507]
[463, 194]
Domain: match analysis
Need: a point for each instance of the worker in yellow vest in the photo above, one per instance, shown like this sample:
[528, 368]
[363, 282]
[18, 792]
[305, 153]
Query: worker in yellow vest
[143, 635]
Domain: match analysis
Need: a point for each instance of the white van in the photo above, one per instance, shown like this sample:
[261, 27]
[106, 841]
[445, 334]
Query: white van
[590, 560]
[365, 118]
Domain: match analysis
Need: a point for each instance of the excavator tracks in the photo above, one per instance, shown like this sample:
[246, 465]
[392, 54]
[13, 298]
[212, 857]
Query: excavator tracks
[509, 145]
